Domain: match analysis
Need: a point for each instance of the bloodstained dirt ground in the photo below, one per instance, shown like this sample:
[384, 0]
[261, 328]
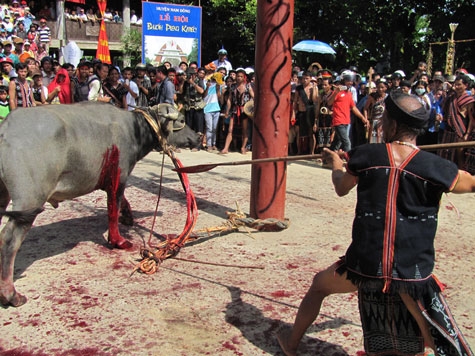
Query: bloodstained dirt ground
[83, 300]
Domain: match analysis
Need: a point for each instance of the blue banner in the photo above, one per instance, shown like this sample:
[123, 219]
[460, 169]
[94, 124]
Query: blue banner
[170, 33]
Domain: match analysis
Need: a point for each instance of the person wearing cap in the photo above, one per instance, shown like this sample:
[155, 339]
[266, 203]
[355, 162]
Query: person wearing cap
[7, 52]
[143, 83]
[7, 22]
[40, 92]
[6, 65]
[343, 106]
[28, 18]
[222, 60]
[44, 34]
[18, 47]
[392, 279]
[396, 78]
[211, 97]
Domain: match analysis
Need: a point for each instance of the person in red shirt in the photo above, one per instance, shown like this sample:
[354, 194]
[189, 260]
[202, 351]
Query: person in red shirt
[343, 106]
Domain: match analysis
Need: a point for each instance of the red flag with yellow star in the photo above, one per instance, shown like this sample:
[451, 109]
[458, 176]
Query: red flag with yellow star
[103, 52]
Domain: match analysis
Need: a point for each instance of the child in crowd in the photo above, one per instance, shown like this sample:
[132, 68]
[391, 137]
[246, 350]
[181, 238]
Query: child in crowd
[4, 105]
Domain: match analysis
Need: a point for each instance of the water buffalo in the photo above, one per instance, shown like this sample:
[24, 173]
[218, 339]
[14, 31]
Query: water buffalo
[58, 152]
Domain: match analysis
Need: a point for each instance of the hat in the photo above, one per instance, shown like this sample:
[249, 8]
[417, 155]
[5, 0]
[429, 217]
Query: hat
[23, 2]
[324, 73]
[241, 70]
[7, 42]
[35, 73]
[406, 109]
[6, 60]
[218, 77]
[18, 40]
[313, 79]
[222, 51]
[210, 66]
[461, 70]
[27, 43]
[141, 66]
[249, 70]
[401, 73]
[396, 75]
[348, 76]
[439, 78]
[15, 2]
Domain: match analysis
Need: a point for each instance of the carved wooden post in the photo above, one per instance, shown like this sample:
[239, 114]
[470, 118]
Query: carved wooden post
[271, 106]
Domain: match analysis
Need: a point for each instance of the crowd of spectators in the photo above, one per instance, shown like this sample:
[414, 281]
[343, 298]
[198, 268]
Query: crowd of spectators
[214, 98]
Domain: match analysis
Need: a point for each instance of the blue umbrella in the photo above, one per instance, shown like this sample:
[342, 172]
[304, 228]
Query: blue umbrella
[313, 46]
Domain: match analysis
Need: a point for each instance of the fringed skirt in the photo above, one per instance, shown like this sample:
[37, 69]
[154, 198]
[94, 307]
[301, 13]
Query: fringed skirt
[390, 329]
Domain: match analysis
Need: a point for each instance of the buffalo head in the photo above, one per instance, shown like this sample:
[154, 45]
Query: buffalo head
[172, 123]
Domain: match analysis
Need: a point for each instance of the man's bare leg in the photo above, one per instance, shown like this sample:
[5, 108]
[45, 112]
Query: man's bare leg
[416, 313]
[324, 283]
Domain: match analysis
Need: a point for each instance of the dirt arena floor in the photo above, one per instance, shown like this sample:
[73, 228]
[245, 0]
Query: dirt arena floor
[83, 300]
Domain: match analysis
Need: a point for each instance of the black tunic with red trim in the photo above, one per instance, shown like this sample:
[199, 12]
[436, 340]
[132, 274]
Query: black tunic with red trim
[396, 217]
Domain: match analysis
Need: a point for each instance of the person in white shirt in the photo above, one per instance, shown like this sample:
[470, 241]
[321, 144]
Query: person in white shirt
[132, 88]
[222, 60]
[133, 17]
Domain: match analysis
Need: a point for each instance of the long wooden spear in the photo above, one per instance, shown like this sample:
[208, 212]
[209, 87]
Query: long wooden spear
[209, 166]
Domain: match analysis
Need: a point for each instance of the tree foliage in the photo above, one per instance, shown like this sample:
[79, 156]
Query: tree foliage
[132, 46]
[363, 33]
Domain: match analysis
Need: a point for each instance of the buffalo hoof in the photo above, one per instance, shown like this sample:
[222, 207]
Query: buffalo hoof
[123, 244]
[17, 300]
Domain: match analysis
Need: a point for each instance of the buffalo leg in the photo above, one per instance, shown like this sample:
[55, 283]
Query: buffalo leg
[110, 182]
[115, 191]
[126, 216]
[11, 238]
[113, 204]
[4, 198]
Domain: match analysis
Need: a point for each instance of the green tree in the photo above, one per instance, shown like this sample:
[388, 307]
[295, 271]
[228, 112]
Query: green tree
[132, 46]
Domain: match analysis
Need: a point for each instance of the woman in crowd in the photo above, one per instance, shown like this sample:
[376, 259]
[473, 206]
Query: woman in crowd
[114, 89]
[60, 88]
[374, 110]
